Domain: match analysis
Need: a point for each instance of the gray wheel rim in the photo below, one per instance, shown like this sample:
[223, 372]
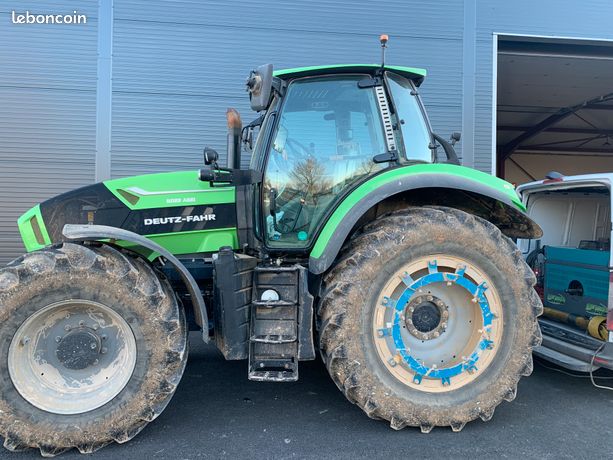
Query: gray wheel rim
[72, 357]
[457, 340]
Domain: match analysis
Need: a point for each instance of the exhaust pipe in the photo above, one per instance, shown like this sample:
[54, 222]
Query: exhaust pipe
[235, 127]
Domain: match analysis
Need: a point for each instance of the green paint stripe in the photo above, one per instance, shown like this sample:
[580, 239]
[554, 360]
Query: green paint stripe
[402, 173]
[298, 70]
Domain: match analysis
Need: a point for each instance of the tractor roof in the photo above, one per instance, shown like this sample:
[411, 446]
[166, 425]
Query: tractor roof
[412, 73]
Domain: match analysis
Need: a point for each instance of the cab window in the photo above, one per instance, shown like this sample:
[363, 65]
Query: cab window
[415, 133]
[329, 130]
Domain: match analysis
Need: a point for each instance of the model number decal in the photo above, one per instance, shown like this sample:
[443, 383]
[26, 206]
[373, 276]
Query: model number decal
[190, 199]
[178, 219]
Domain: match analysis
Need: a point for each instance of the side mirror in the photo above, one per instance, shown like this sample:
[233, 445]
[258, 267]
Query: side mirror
[259, 87]
[455, 137]
[210, 156]
[247, 137]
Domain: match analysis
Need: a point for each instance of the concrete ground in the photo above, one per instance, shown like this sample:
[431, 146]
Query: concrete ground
[218, 413]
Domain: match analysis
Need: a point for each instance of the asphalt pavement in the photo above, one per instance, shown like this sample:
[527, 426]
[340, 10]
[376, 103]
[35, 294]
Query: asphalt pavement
[218, 413]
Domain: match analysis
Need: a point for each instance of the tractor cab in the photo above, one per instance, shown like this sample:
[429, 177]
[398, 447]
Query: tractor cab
[324, 130]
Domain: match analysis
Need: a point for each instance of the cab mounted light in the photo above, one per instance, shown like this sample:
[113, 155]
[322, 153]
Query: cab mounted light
[383, 38]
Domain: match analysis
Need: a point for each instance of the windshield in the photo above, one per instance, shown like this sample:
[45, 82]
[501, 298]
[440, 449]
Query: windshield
[415, 133]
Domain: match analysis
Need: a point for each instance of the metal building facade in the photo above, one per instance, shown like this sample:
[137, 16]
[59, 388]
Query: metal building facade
[143, 86]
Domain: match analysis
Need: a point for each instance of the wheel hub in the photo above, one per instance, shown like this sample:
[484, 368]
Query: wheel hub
[79, 349]
[426, 317]
[72, 356]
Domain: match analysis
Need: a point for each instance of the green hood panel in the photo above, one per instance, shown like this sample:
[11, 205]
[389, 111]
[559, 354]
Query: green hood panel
[175, 209]
[172, 189]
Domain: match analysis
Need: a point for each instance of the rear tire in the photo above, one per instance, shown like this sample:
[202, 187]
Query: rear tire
[381, 360]
[113, 301]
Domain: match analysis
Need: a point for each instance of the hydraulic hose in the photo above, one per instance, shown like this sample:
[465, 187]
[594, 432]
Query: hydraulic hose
[595, 326]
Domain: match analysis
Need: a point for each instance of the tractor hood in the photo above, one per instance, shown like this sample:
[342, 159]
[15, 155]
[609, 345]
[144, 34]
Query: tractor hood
[176, 210]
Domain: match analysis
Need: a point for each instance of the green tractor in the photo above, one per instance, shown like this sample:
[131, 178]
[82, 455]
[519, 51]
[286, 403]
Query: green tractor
[344, 235]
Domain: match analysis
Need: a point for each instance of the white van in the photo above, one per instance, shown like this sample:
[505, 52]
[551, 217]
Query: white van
[573, 265]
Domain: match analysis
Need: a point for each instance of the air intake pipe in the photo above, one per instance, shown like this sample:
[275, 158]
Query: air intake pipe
[235, 127]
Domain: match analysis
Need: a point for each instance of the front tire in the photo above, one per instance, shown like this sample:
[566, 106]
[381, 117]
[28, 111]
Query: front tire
[92, 346]
[429, 319]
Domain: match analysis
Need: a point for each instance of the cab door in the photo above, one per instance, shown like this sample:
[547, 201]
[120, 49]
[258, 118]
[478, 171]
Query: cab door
[328, 131]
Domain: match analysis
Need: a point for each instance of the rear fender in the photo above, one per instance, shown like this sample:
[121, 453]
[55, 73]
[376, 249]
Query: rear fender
[433, 184]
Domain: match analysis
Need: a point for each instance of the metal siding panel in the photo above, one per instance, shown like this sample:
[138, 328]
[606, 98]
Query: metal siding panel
[394, 17]
[561, 18]
[175, 71]
[47, 115]
[156, 133]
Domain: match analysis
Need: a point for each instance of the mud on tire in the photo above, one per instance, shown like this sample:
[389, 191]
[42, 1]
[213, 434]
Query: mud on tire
[136, 292]
[352, 288]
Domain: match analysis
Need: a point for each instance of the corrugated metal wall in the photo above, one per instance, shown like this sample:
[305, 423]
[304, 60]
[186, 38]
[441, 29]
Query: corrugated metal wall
[176, 69]
[47, 111]
[176, 66]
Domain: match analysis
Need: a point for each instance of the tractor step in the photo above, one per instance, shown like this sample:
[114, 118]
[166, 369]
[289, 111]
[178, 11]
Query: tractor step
[275, 325]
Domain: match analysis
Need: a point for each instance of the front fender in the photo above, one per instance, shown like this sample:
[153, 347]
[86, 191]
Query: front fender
[103, 232]
[409, 180]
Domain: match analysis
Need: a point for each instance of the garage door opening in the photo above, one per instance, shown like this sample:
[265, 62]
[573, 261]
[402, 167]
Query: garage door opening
[554, 107]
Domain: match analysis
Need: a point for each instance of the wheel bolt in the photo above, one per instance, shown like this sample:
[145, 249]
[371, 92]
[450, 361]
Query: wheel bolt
[429, 298]
[93, 346]
[58, 339]
[67, 327]
[81, 323]
[103, 350]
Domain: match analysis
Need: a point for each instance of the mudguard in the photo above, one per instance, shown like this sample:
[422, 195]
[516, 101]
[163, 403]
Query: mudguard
[412, 178]
[103, 232]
